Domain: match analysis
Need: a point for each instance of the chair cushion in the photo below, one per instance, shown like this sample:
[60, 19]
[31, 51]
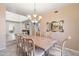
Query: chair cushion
[55, 52]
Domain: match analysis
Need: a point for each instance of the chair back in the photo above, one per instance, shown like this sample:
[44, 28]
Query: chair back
[37, 33]
[19, 43]
[29, 47]
[19, 39]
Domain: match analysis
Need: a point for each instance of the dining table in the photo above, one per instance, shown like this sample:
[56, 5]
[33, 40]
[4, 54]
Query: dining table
[42, 42]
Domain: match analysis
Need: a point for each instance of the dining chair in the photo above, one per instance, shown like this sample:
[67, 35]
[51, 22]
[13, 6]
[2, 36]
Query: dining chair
[24, 31]
[19, 42]
[30, 49]
[37, 33]
[58, 47]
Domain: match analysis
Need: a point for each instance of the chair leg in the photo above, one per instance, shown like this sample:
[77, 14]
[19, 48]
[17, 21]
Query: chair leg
[61, 51]
[46, 53]
[17, 51]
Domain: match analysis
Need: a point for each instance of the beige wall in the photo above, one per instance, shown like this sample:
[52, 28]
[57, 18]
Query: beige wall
[2, 27]
[70, 15]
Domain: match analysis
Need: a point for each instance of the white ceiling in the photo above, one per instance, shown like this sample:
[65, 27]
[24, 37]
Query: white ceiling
[41, 8]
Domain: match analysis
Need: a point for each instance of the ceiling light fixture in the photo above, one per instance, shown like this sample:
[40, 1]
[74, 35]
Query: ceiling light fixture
[34, 18]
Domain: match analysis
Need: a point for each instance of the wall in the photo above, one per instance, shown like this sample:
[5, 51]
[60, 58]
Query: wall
[70, 15]
[2, 27]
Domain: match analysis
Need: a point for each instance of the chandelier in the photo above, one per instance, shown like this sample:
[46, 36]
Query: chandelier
[34, 18]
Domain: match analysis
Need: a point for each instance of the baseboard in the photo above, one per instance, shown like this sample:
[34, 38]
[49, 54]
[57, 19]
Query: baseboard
[3, 48]
[57, 52]
[69, 49]
[9, 43]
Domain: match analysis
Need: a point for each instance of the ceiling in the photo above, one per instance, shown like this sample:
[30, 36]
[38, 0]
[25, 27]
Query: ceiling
[27, 8]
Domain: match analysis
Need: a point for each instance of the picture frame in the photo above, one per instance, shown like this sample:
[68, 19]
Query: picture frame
[61, 27]
[57, 26]
[54, 26]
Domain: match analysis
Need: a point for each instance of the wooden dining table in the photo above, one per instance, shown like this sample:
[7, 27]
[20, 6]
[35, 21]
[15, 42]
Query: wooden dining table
[42, 42]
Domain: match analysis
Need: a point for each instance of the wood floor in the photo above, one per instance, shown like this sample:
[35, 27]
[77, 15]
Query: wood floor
[9, 51]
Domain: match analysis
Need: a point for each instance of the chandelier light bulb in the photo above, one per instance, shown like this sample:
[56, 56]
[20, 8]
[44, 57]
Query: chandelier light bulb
[29, 16]
[40, 17]
[35, 15]
[34, 18]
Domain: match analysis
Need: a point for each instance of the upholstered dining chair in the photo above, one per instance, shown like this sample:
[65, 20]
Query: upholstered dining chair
[19, 42]
[58, 47]
[30, 49]
[37, 33]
